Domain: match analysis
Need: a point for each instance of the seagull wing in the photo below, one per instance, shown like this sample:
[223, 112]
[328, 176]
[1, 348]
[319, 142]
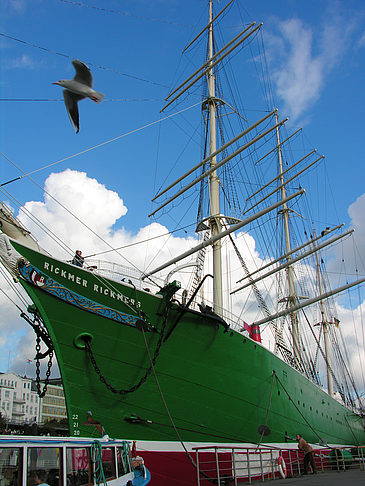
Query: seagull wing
[71, 100]
[83, 74]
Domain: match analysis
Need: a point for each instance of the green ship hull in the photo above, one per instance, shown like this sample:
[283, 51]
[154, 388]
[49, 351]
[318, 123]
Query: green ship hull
[217, 385]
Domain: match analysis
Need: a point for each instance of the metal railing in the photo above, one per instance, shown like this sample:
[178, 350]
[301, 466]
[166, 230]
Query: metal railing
[233, 465]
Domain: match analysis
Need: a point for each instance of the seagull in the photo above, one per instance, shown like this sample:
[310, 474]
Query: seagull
[77, 89]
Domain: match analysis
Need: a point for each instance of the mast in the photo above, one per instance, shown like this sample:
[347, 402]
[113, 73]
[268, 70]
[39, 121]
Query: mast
[214, 220]
[292, 298]
[325, 325]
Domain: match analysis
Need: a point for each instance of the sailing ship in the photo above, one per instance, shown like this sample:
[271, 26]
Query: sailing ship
[169, 366]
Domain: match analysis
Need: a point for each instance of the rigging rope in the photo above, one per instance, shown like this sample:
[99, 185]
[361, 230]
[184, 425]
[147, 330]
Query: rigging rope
[120, 12]
[89, 63]
[141, 241]
[290, 398]
[91, 148]
[61, 99]
[165, 404]
[267, 413]
[125, 391]
[323, 354]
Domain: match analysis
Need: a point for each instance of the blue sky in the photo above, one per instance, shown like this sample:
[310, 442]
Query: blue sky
[317, 46]
[315, 50]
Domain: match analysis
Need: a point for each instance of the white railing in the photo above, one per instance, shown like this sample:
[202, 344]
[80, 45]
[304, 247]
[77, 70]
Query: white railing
[234, 465]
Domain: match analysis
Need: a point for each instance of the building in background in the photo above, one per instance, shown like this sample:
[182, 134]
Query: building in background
[52, 406]
[20, 404]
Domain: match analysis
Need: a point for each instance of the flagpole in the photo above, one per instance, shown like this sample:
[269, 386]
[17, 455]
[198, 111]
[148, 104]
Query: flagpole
[25, 367]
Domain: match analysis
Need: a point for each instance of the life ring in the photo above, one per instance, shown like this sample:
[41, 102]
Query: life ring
[282, 467]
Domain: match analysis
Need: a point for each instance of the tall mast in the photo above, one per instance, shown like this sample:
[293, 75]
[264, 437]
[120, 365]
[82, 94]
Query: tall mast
[292, 298]
[214, 220]
[325, 325]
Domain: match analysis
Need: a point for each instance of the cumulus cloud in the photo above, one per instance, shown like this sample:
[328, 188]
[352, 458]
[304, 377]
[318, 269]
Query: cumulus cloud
[76, 207]
[82, 201]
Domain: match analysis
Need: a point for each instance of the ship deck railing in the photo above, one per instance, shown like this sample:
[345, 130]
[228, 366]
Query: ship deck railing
[236, 465]
[123, 273]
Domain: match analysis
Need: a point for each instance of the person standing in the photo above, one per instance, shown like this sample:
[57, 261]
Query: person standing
[78, 259]
[308, 454]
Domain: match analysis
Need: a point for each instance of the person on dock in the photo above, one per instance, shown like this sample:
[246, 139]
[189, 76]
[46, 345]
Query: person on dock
[78, 259]
[308, 455]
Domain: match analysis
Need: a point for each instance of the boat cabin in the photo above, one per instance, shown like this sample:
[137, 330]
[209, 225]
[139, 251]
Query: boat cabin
[51, 461]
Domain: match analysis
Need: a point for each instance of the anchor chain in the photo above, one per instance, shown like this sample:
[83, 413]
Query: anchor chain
[41, 335]
[41, 393]
[148, 371]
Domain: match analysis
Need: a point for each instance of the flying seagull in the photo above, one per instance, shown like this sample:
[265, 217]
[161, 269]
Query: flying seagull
[77, 89]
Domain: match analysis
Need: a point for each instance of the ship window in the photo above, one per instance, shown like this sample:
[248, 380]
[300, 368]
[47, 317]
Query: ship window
[78, 466]
[123, 461]
[310, 408]
[278, 392]
[108, 460]
[11, 465]
[44, 466]
[298, 402]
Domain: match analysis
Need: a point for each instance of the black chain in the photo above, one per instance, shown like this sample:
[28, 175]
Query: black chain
[146, 375]
[42, 334]
[41, 393]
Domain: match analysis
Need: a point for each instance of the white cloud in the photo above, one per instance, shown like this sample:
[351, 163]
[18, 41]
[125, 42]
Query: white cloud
[361, 42]
[71, 198]
[306, 58]
[16, 6]
[21, 62]
[12, 328]
[352, 250]
[101, 209]
[300, 78]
